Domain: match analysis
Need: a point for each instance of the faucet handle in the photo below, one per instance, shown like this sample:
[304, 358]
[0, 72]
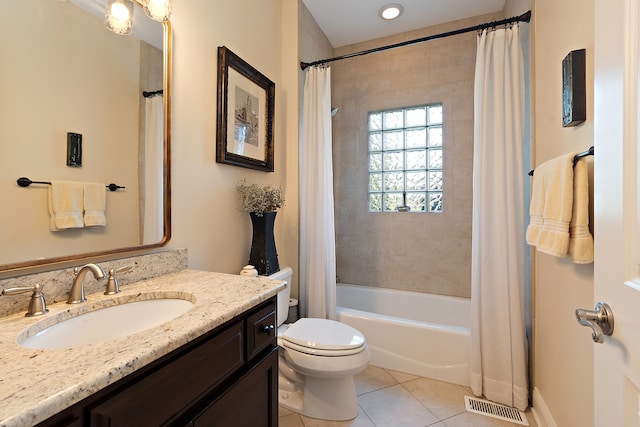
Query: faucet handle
[112, 282]
[37, 304]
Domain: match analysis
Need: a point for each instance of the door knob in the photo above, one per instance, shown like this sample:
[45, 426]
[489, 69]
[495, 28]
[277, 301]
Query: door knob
[599, 320]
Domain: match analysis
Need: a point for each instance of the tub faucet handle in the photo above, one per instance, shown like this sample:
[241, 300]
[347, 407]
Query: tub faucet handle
[37, 304]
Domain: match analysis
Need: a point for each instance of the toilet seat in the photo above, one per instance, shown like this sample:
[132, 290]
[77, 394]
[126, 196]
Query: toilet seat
[323, 337]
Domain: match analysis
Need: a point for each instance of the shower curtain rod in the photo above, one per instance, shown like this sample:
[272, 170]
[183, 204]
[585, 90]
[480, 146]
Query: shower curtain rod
[525, 17]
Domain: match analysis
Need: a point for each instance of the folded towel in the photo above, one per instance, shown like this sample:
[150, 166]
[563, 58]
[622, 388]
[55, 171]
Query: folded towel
[95, 200]
[65, 205]
[551, 206]
[580, 238]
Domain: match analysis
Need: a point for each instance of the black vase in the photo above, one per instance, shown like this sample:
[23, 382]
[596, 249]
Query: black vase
[264, 256]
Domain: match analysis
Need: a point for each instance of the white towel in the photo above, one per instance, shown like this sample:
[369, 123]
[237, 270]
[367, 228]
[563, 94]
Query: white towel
[65, 205]
[551, 206]
[580, 238]
[95, 200]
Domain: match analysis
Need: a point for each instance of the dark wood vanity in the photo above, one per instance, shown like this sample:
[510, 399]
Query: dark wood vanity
[227, 377]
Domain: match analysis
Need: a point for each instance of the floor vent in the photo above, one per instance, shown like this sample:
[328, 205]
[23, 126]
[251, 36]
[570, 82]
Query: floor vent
[495, 410]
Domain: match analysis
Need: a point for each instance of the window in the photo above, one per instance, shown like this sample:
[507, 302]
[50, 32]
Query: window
[405, 159]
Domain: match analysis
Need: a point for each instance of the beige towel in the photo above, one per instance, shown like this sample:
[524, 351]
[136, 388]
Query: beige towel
[551, 206]
[580, 238]
[95, 200]
[65, 205]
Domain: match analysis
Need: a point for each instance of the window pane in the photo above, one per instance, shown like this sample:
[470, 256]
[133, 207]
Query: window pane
[417, 201]
[375, 202]
[392, 140]
[375, 162]
[416, 180]
[416, 138]
[435, 202]
[393, 160]
[393, 181]
[416, 117]
[417, 159]
[406, 159]
[393, 119]
[375, 182]
[375, 121]
[375, 141]
[435, 137]
[435, 181]
[435, 159]
[435, 114]
[392, 201]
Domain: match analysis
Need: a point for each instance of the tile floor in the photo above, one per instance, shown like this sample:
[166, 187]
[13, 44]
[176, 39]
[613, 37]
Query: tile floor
[394, 399]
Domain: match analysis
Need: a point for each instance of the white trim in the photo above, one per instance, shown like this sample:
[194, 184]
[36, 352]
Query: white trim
[540, 412]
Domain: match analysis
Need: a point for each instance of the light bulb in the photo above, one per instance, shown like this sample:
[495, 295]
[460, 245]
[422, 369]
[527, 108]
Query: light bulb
[158, 10]
[119, 12]
[118, 16]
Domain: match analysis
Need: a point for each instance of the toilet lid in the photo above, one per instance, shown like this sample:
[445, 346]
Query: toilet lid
[323, 334]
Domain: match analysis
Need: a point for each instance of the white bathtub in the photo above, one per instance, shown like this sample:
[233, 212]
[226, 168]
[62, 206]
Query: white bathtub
[417, 333]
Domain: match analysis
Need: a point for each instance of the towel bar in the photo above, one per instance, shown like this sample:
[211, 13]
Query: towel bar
[25, 182]
[577, 157]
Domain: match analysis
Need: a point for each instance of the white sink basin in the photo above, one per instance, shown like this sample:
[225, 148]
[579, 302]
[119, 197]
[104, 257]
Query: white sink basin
[105, 323]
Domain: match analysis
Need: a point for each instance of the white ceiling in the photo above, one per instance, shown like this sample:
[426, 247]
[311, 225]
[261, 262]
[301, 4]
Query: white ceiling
[345, 22]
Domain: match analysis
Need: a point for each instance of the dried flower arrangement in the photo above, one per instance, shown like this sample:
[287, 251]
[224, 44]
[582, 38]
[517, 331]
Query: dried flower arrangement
[259, 199]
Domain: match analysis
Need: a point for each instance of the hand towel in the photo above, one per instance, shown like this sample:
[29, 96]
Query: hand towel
[551, 206]
[65, 205]
[580, 238]
[95, 199]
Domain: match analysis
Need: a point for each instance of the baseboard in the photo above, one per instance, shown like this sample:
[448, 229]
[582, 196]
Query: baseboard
[540, 411]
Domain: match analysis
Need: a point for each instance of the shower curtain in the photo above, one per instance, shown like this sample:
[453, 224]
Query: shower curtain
[317, 232]
[498, 364]
[152, 191]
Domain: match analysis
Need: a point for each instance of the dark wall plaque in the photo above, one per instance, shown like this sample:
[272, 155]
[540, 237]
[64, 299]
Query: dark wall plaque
[74, 149]
[574, 97]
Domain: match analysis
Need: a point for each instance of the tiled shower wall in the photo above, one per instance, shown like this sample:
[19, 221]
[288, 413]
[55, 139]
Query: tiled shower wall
[424, 252]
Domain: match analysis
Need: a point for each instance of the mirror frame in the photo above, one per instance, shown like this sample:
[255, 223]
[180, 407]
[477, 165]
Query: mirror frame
[166, 87]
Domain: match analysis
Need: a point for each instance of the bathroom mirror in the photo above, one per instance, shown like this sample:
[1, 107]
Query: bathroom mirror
[63, 72]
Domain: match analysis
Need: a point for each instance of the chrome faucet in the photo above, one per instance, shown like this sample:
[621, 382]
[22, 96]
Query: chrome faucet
[76, 295]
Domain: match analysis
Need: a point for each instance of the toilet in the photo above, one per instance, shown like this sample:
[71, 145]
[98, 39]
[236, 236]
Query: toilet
[318, 359]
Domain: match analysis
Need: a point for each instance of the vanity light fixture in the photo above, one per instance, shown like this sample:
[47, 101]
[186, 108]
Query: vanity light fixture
[118, 16]
[158, 10]
[391, 11]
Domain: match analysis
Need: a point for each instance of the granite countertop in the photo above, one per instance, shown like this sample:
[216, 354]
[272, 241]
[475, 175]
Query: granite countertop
[36, 384]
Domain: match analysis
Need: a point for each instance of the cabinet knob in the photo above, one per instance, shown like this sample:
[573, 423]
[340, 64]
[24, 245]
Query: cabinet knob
[268, 329]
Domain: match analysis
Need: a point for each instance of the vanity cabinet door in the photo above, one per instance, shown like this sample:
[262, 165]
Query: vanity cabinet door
[261, 330]
[165, 394]
[252, 401]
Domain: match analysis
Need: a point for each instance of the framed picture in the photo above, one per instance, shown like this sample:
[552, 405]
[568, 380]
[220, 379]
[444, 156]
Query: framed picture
[246, 101]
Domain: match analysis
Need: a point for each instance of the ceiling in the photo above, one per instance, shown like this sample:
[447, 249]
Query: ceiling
[346, 22]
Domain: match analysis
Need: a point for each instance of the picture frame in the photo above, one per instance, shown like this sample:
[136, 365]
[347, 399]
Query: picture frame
[245, 110]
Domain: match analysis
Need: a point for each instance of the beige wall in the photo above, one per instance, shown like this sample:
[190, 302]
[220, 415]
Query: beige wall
[563, 357]
[206, 218]
[425, 252]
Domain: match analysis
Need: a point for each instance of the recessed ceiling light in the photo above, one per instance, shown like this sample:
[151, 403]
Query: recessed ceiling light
[391, 11]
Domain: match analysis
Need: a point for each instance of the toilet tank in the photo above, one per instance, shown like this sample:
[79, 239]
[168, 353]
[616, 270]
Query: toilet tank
[283, 296]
